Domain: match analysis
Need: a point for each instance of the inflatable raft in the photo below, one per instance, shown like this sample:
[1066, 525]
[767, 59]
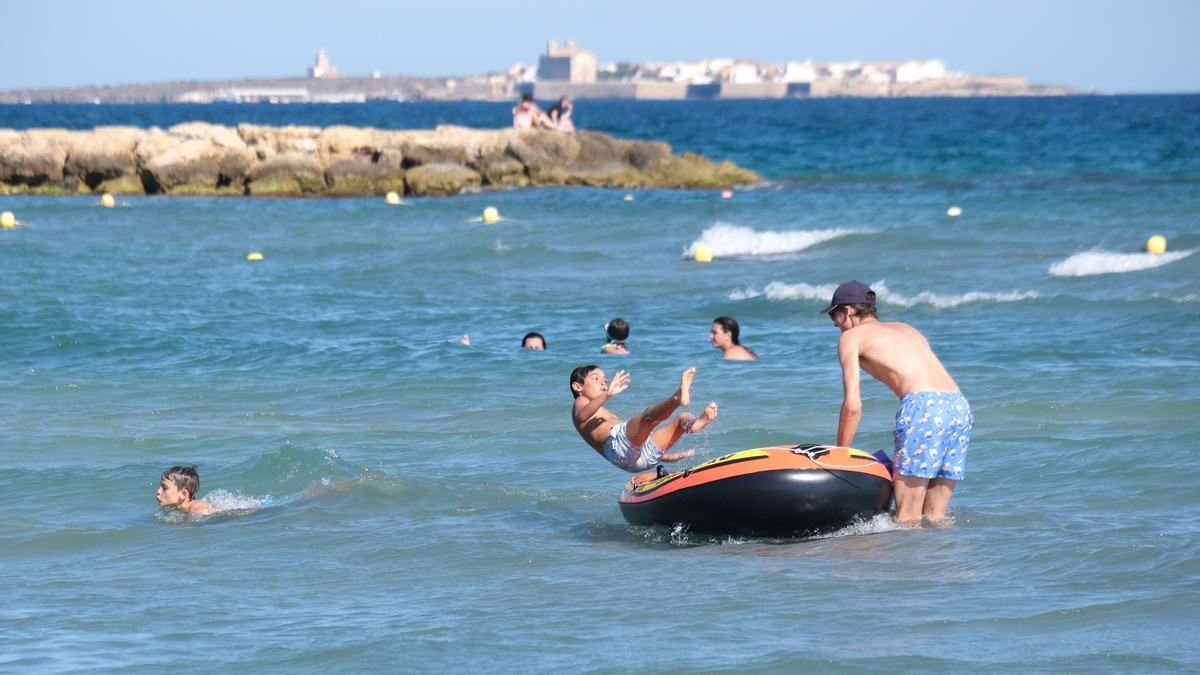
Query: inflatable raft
[780, 491]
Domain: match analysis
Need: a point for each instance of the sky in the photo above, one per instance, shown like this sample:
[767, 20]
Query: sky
[1130, 46]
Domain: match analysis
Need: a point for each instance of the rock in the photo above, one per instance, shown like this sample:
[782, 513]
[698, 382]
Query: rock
[202, 158]
[440, 179]
[353, 177]
[191, 167]
[287, 174]
[35, 162]
[104, 159]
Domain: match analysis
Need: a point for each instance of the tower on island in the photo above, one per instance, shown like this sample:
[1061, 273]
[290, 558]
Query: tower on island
[322, 68]
[567, 63]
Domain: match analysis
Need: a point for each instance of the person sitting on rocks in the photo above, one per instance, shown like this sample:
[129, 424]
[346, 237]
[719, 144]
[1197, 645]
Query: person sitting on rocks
[527, 115]
[560, 115]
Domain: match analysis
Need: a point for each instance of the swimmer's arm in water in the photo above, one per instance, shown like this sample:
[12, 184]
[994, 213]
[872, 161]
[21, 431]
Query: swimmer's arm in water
[585, 412]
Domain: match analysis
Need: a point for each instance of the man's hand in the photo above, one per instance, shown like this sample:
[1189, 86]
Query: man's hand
[619, 383]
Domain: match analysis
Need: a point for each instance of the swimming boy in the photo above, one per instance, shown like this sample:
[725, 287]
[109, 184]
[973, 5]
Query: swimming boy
[177, 489]
[634, 445]
[933, 427]
[616, 332]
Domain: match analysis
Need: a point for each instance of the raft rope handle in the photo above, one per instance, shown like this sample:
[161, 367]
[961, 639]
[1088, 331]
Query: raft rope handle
[815, 451]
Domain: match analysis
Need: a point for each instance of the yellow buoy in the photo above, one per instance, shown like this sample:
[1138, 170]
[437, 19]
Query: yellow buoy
[628, 198]
[1156, 244]
[703, 253]
[107, 201]
[392, 198]
[8, 220]
[954, 212]
[254, 255]
[491, 215]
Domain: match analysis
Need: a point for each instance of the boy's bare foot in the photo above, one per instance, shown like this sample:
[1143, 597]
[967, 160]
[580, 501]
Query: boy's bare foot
[705, 418]
[685, 387]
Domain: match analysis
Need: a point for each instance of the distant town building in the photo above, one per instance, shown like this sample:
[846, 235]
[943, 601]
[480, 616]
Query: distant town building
[918, 71]
[322, 68]
[799, 72]
[567, 63]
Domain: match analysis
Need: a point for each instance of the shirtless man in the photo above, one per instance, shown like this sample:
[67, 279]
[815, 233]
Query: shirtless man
[633, 445]
[933, 426]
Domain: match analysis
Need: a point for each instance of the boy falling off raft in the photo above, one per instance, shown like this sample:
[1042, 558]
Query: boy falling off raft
[634, 445]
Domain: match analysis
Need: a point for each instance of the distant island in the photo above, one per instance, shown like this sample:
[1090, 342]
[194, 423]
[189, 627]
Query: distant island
[574, 72]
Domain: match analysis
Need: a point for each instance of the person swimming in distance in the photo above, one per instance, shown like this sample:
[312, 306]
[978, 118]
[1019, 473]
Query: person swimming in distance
[724, 336]
[616, 332]
[636, 444]
[534, 341]
[177, 490]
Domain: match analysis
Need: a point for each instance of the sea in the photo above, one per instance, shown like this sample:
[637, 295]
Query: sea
[394, 500]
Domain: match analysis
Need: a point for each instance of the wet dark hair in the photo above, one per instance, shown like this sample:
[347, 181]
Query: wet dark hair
[731, 326]
[184, 478]
[527, 96]
[579, 375]
[534, 335]
[618, 330]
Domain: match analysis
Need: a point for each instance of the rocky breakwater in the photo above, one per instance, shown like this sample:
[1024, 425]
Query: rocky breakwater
[198, 158]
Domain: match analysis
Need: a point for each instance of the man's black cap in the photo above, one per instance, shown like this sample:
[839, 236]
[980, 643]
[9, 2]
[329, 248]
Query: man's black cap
[851, 293]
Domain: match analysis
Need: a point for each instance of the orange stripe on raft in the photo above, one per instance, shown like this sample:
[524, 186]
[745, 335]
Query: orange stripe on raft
[746, 462]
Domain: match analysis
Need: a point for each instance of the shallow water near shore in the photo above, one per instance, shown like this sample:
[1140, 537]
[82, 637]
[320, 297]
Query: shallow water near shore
[398, 501]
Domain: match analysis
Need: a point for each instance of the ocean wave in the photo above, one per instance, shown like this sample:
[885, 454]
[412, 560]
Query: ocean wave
[726, 239]
[1089, 263]
[778, 290]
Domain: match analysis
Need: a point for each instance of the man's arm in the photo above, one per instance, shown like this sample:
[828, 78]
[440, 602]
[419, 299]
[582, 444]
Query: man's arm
[851, 397]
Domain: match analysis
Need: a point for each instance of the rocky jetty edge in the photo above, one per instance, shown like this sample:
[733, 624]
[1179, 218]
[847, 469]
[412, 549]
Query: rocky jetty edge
[198, 158]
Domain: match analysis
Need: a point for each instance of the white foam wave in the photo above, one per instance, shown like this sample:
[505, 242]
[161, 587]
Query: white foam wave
[778, 290]
[227, 500]
[1089, 263]
[726, 239]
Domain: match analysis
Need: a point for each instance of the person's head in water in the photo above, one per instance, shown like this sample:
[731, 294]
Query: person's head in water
[617, 330]
[725, 332]
[580, 380]
[534, 341]
[527, 97]
[725, 335]
[851, 299]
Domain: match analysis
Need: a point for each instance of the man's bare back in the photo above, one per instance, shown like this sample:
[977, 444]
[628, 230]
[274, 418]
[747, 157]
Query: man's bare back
[897, 355]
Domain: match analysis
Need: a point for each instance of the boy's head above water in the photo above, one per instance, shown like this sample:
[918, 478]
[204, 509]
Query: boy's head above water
[617, 330]
[178, 486]
[588, 380]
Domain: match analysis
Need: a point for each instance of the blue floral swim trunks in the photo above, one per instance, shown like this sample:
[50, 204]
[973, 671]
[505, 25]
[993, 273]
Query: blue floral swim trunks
[933, 434]
[620, 451]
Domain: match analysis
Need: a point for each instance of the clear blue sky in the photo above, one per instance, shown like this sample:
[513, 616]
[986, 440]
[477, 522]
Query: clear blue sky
[1113, 45]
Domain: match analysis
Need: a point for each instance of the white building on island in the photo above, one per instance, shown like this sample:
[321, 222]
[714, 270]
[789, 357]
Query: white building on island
[322, 68]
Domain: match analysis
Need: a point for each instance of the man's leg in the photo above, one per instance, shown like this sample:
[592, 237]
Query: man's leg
[910, 498]
[937, 499]
[639, 427]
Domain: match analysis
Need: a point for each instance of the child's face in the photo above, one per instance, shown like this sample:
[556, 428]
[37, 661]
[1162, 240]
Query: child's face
[594, 384]
[169, 494]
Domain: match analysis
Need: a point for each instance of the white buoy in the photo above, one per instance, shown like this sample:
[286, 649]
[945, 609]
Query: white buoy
[392, 198]
[107, 201]
[954, 212]
[491, 215]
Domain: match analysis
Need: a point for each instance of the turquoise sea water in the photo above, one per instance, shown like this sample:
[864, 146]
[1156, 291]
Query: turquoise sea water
[430, 507]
